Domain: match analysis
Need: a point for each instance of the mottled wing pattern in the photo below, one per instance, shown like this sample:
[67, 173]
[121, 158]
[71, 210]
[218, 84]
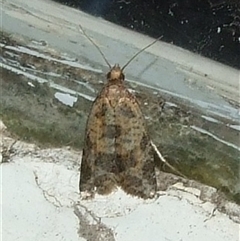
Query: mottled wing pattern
[133, 148]
[117, 149]
[98, 167]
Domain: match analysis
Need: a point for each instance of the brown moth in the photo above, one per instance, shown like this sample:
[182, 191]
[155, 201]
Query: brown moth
[117, 150]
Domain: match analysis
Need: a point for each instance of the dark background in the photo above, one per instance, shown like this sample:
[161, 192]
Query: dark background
[208, 27]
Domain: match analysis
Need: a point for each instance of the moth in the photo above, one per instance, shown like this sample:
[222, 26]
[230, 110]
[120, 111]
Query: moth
[117, 149]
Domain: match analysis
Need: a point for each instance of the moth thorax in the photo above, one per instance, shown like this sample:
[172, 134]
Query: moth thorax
[115, 73]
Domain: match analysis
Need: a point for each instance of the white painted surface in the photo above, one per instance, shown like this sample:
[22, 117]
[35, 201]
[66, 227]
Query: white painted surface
[27, 215]
[40, 193]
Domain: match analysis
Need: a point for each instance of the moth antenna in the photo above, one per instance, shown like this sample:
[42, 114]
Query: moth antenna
[135, 55]
[84, 33]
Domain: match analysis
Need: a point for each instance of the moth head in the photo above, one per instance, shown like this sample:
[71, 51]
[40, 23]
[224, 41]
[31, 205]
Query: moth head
[115, 73]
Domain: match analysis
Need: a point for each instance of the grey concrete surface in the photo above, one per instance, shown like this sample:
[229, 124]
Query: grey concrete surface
[162, 66]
